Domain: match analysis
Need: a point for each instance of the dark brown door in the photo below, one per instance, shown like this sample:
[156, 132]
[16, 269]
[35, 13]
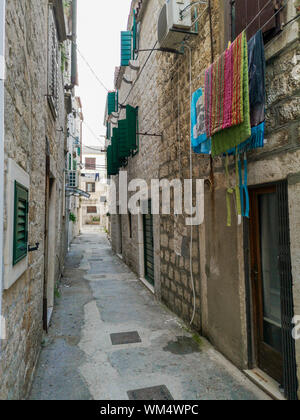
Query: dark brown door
[149, 246]
[266, 281]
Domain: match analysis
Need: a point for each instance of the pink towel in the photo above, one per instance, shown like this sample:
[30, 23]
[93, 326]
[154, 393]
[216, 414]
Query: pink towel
[228, 83]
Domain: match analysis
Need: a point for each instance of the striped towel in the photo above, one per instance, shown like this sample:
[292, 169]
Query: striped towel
[224, 90]
[231, 137]
[257, 94]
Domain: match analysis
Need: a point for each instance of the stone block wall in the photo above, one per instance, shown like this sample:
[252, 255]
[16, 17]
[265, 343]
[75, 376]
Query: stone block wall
[28, 122]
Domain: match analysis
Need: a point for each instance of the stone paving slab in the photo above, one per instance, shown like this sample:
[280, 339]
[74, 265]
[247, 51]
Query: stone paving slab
[79, 362]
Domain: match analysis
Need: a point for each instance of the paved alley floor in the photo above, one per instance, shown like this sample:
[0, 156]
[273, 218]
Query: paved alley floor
[100, 296]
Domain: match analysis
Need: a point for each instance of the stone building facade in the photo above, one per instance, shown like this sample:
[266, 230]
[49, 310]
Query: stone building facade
[35, 145]
[218, 266]
[93, 180]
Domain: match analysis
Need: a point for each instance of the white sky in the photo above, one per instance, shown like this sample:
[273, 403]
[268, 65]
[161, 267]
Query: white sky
[99, 26]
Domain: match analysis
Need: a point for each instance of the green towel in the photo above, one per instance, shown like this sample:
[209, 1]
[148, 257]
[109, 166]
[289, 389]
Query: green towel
[233, 136]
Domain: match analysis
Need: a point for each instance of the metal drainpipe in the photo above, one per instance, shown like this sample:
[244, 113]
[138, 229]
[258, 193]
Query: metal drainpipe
[2, 77]
[74, 75]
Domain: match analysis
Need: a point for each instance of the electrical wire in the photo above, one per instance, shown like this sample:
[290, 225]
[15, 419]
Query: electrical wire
[191, 177]
[90, 67]
[139, 75]
[91, 131]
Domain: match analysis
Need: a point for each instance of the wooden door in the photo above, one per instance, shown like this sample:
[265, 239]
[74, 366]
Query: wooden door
[266, 281]
[149, 246]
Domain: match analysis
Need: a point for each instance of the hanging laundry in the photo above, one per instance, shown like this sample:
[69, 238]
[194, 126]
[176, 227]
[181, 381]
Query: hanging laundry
[200, 143]
[257, 94]
[236, 134]
[224, 89]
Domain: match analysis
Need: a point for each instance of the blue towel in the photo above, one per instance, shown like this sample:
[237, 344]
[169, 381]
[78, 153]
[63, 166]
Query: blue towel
[200, 143]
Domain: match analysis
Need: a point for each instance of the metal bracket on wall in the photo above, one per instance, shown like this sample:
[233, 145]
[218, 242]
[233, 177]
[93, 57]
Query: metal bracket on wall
[129, 82]
[34, 248]
[167, 50]
[149, 135]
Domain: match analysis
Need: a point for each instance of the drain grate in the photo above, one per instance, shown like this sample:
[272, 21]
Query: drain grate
[125, 338]
[158, 393]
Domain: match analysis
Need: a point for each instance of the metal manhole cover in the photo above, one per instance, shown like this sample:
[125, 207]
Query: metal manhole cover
[125, 338]
[159, 393]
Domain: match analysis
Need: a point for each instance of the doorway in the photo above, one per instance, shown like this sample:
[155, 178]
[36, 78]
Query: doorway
[149, 245]
[271, 282]
[51, 248]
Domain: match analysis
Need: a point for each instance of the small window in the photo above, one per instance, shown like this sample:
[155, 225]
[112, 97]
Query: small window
[90, 187]
[91, 210]
[90, 164]
[20, 243]
[256, 14]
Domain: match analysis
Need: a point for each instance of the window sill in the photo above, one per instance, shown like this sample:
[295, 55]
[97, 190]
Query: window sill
[287, 37]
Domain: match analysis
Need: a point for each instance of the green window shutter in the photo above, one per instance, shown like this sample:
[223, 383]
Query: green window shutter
[131, 117]
[134, 36]
[112, 102]
[126, 47]
[79, 151]
[124, 147]
[74, 165]
[70, 162]
[115, 148]
[20, 242]
[108, 130]
[109, 161]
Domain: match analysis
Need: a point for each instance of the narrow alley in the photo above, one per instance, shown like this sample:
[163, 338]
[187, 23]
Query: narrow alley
[83, 358]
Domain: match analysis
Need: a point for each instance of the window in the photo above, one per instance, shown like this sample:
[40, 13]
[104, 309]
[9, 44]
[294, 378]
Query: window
[91, 210]
[258, 14]
[90, 164]
[90, 187]
[20, 243]
[53, 64]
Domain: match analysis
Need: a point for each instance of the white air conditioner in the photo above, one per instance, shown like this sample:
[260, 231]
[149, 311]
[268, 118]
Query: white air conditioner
[72, 179]
[175, 20]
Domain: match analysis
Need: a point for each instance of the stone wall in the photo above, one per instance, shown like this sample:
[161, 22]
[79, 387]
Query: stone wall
[145, 164]
[163, 94]
[28, 122]
[218, 269]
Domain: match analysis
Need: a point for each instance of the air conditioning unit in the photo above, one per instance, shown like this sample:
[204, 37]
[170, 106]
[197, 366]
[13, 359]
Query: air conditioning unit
[72, 179]
[175, 20]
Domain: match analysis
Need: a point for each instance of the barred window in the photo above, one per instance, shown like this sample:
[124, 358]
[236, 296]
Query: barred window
[53, 64]
[256, 14]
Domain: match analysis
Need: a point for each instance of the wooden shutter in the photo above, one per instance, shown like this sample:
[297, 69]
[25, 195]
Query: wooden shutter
[131, 117]
[20, 242]
[90, 164]
[124, 147]
[111, 168]
[149, 245]
[261, 12]
[115, 148]
[92, 210]
[134, 36]
[126, 47]
[112, 104]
